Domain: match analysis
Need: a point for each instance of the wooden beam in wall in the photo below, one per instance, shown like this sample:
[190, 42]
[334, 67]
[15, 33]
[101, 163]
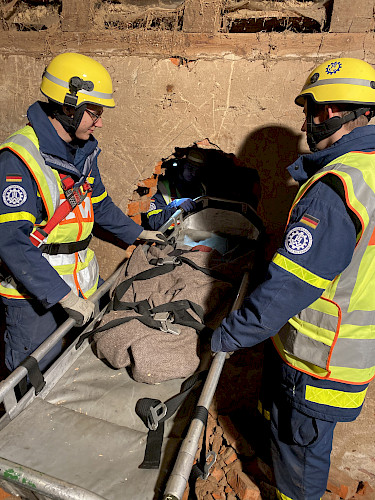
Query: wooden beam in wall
[76, 15]
[352, 18]
[202, 16]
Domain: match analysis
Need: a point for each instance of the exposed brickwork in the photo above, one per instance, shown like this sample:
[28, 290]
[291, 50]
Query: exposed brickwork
[140, 204]
[341, 483]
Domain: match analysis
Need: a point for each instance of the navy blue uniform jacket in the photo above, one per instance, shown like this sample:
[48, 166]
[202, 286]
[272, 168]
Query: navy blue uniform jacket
[282, 295]
[22, 258]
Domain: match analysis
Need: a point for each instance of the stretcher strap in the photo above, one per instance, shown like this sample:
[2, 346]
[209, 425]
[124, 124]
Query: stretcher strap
[35, 376]
[144, 275]
[146, 313]
[144, 409]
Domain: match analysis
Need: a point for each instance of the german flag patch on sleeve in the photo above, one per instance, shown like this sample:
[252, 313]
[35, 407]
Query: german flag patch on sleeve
[13, 178]
[310, 221]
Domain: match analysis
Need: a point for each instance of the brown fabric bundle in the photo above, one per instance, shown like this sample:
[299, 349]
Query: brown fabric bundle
[153, 355]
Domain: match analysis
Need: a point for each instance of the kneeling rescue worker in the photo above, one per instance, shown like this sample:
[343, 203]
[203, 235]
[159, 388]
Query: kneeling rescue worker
[51, 194]
[177, 188]
[317, 300]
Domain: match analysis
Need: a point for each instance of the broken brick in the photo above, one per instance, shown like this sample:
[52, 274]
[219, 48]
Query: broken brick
[243, 486]
[341, 483]
[365, 491]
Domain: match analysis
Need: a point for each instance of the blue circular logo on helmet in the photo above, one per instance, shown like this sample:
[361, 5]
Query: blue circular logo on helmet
[333, 68]
[298, 240]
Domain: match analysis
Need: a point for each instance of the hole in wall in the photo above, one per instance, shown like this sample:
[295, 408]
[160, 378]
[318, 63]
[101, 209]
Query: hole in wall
[223, 176]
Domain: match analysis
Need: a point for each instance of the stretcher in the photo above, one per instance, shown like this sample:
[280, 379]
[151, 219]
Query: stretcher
[74, 433]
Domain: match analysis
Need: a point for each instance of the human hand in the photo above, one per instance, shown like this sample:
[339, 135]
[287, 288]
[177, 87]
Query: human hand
[188, 205]
[78, 308]
[153, 237]
[177, 202]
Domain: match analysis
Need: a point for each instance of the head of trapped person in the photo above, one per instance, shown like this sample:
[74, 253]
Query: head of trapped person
[338, 96]
[77, 88]
[191, 167]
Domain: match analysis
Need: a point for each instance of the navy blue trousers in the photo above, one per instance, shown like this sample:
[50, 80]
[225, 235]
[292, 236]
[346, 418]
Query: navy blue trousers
[300, 446]
[27, 325]
[300, 449]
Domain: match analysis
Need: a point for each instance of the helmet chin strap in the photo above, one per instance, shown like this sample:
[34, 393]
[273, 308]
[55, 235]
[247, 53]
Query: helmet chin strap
[317, 132]
[70, 123]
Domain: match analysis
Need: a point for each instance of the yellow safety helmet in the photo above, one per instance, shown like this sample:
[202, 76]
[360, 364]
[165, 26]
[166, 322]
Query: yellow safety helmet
[343, 80]
[75, 79]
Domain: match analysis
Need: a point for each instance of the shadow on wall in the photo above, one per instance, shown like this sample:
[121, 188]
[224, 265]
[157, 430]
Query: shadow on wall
[270, 150]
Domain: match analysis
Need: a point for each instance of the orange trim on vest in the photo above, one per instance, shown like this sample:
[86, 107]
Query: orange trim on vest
[372, 239]
[318, 376]
[336, 334]
[346, 198]
[36, 180]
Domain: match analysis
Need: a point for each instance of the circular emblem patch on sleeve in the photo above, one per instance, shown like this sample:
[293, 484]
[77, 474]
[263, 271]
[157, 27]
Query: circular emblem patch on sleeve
[298, 240]
[14, 196]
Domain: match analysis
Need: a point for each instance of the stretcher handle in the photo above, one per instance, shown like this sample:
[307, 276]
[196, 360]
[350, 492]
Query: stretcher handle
[20, 372]
[51, 487]
[181, 471]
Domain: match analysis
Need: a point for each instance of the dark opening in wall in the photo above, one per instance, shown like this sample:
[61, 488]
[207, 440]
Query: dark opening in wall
[144, 15]
[237, 16]
[300, 16]
[30, 15]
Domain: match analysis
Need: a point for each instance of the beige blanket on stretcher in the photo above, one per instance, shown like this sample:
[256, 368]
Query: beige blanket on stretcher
[153, 355]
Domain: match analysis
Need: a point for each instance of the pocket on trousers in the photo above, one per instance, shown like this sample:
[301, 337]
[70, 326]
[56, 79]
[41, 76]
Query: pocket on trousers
[15, 325]
[18, 343]
[304, 429]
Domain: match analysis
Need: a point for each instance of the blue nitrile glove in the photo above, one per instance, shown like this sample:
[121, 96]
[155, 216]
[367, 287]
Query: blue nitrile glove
[186, 204]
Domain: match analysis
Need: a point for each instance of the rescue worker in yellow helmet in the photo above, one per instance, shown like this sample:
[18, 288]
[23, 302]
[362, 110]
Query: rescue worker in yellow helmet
[177, 189]
[317, 299]
[51, 163]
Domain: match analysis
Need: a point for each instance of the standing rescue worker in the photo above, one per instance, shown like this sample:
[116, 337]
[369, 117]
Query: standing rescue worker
[177, 188]
[48, 164]
[317, 301]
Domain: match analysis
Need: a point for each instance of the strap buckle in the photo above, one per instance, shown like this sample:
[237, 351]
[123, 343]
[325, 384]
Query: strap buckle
[156, 414]
[166, 319]
[210, 460]
[170, 259]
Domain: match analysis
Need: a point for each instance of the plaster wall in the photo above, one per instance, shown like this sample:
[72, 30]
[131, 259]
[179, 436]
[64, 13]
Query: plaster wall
[244, 107]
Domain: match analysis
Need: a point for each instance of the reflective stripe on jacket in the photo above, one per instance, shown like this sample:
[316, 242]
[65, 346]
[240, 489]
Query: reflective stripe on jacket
[80, 269]
[334, 338]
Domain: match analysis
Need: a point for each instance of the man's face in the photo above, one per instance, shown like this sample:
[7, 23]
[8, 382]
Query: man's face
[320, 114]
[190, 173]
[91, 119]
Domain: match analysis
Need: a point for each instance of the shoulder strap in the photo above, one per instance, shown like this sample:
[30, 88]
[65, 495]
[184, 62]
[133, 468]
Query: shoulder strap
[74, 197]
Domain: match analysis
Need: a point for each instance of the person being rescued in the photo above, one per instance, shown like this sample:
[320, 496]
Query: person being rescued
[178, 188]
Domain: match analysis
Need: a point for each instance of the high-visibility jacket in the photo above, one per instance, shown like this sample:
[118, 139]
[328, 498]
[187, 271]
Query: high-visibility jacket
[334, 338]
[160, 211]
[78, 269]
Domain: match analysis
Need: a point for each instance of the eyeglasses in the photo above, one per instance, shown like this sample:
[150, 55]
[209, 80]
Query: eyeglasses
[95, 117]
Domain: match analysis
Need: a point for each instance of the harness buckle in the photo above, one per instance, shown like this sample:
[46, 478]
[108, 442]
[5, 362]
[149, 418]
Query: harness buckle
[166, 319]
[156, 414]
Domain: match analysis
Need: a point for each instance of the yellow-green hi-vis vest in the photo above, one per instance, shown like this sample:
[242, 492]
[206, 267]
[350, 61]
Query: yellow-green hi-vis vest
[334, 338]
[79, 270]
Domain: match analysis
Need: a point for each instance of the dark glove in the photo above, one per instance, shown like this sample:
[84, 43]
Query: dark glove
[78, 308]
[153, 237]
[188, 205]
